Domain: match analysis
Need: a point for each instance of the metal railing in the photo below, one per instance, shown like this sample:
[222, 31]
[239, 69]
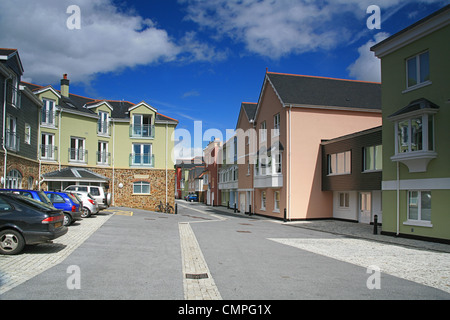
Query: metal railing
[142, 160]
[142, 131]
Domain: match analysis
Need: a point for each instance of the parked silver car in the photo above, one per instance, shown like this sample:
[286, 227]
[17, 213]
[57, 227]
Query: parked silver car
[90, 205]
[103, 198]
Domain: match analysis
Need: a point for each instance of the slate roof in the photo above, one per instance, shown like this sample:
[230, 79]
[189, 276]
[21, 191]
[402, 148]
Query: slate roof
[250, 109]
[78, 103]
[419, 104]
[74, 174]
[326, 92]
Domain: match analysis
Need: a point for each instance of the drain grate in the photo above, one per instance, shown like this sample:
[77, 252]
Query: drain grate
[197, 276]
[241, 231]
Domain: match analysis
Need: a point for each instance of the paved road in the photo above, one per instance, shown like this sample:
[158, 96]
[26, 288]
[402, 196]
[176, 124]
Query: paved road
[132, 254]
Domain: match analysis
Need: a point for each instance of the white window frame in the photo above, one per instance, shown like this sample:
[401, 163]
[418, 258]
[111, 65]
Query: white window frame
[344, 200]
[27, 133]
[375, 154]
[102, 149]
[47, 112]
[419, 221]
[418, 75]
[45, 139]
[276, 125]
[141, 184]
[14, 179]
[80, 146]
[103, 123]
[141, 153]
[276, 203]
[263, 132]
[263, 200]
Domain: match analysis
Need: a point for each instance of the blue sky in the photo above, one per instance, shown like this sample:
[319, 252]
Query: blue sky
[198, 60]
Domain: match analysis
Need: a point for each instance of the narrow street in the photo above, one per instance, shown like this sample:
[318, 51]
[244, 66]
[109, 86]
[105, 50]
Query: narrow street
[205, 253]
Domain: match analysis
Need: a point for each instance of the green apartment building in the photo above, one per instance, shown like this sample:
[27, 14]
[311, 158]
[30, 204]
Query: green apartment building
[125, 147]
[416, 132]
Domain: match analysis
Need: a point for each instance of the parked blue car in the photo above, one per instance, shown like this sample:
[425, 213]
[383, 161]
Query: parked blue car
[33, 194]
[68, 203]
[192, 197]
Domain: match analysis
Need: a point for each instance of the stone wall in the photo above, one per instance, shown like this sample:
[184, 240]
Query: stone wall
[124, 197]
[27, 168]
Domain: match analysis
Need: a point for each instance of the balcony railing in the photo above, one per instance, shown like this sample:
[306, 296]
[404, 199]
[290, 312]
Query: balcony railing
[142, 131]
[104, 128]
[49, 152]
[49, 118]
[142, 160]
[78, 155]
[104, 158]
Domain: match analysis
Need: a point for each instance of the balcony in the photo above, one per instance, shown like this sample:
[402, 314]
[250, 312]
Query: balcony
[12, 141]
[146, 160]
[268, 181]
[78, 155]
[48, 152]
[49, 119]
[145, 131]
[103, 158]
[104, 128]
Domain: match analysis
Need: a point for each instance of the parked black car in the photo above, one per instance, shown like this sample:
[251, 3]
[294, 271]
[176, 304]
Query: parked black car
[25, 221]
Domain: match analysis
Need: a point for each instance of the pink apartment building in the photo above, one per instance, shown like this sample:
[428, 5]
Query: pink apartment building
[283, 170]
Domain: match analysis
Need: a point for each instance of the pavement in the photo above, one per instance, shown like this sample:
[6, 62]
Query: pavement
[197, 243]
[350, 229]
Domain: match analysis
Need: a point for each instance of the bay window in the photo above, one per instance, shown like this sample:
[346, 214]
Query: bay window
[414, 134]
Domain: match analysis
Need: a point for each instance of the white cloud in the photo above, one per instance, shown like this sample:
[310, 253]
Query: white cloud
[275, 28]
[368, 67]
[109, 39]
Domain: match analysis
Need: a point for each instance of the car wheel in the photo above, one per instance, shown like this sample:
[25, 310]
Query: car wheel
[67, 219]
[85, 213]
[11, 242]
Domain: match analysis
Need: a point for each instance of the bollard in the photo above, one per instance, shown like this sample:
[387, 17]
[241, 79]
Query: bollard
[235, 209]
[285, 217]
[228, 205]
[375, 224]
[249, 209]
[176, 208]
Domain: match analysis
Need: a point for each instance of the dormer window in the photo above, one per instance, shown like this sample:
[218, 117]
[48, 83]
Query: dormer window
[103, 123]
[48, 113]
[142, 126]
[15, 92]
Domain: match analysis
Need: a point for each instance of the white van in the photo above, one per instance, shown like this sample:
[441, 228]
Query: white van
[103, 198]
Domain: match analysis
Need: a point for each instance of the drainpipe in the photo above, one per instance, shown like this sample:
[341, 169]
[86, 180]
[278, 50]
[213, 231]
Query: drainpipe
[398, 198]
[167, 142]
[59, 138]
[289, 156]
[113, 203]
[4, 130]
[39, 150]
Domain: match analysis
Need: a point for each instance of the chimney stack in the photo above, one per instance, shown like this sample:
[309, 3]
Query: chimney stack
[65, 86]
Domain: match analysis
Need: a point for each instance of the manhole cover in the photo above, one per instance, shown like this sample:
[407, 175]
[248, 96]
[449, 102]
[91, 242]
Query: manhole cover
[196, 276]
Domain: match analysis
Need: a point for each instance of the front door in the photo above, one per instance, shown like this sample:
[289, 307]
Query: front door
[242, 203]
[365, 207]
